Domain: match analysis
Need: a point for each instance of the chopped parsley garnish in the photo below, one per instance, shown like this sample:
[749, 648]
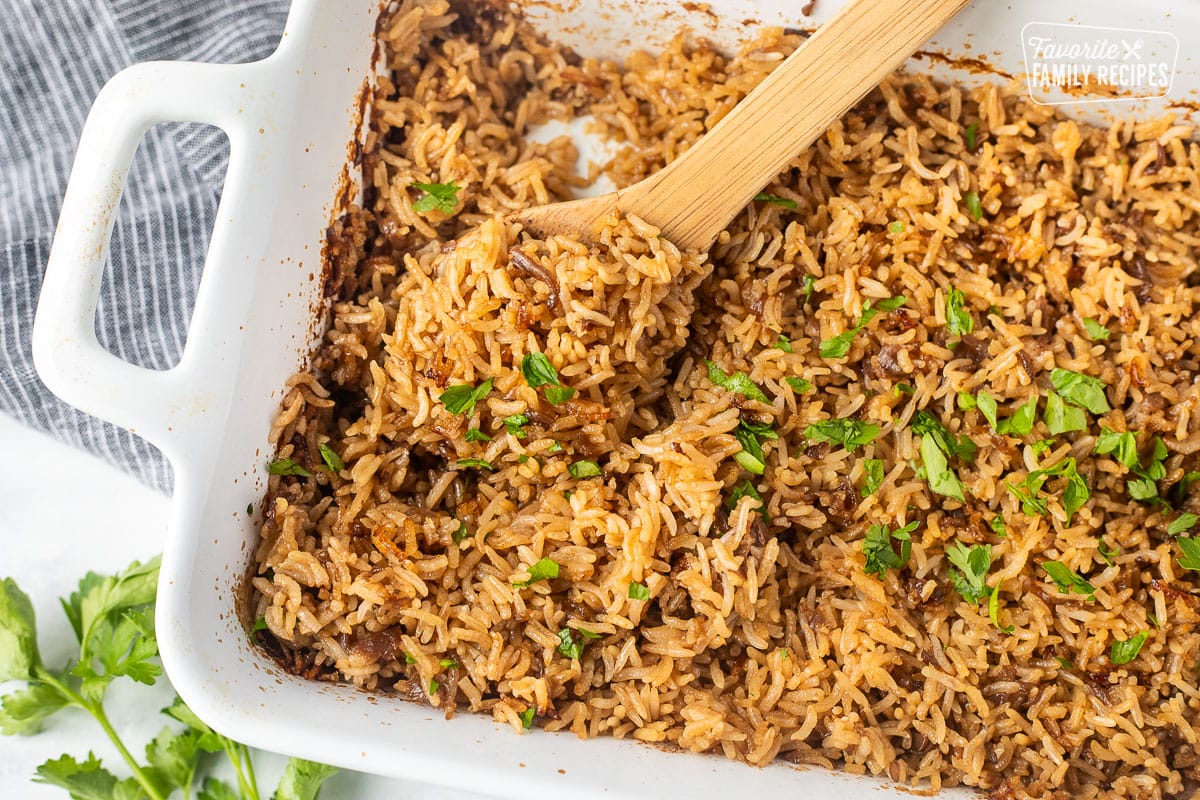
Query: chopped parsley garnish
[974, 208]
[249, 509]
[972, 132]
[1181, 489]
[998, 527]
[896, 226]
[986, 404]
[585, 469]
[877, 547]
[958, 320]
[873, 476]
[1021, 421]
[994, 610]
[333, 462]
[286, 466]
[541, 570]
[973, 564]
[738, 383]
[448, 663]
[849, 433]
[966, 401]
[1095, 331]
[438, 196]
[809, 283]
[475, 463]
[1082, 390]
[408, 659]
[434, 686]
[460, 533]
[515, 425]
[1062, 418]
[1182, 524]
[1107, 553]
[557, 395]
[638, 591]
[1191, 552]
[526, 717]
[555, 447]
[1122, 446]
[775, 200]
[260, 624]
[1068, 580]
[568, 646]
[461, 398]
[941, 478]
[746, 489]
[1075, 494]
[799, 385]
[1126, 651]
[1065, 663]
[784, 343]
[476, 435]
[838, 346]
[902, 388]
[1145, 487]
[523, 458]
[751, 455]
[926, 424]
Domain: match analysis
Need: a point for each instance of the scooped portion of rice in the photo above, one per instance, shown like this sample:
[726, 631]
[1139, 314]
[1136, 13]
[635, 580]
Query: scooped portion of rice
[897, 478]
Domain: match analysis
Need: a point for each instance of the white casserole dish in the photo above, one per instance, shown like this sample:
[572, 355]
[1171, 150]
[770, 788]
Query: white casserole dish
[289, 119]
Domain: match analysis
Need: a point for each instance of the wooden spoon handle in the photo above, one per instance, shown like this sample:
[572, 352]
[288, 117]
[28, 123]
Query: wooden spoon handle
[694, 198]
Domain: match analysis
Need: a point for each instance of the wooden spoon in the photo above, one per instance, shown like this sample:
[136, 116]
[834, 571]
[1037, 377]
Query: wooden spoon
[696, 196]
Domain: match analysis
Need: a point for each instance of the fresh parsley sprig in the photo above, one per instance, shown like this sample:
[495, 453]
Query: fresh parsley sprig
[538, 371]
[113, 620]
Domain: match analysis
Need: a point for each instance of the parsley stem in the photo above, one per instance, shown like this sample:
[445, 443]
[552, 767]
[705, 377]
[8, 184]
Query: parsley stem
[96, 709]
[247, 783]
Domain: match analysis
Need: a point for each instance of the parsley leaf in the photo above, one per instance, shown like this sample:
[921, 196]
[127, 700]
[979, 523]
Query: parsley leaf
[738, 383]
[750, 457]
[785, 344]
[998, 527]
[1126, 651]
[974, 207]
[941, 478]
[22, 712]
[542, 570]
[474, 463]
[1021, 421]
[515, 425]
[302, 780]
[926, 424]
[873, 476]
[839, 345]
[799, 385]
[809, 283]
[877, 547]
[1082, 390]
[462, 397]
[86, 781]
[1095, 331]
[1067, 580]
[286, 466]
[557, 395]
[1191, 552]
[763, 197]
[461, 533]
[18, 633]
[585, 469]
[896, 226]
[1075, 493]
[987, 406]
[438, 196]
[568, 646]
[638, 591]
[476, 435]
[1062, 418]
[1123, 446]
[973, 564]
[971, 133]
[849, 433]
[538, 371]
[958, 320]
[1182, 524]
[526, 717]
[1185, 483]
[333, 462]
[746, 489]
[994, 610]
[1107, 553]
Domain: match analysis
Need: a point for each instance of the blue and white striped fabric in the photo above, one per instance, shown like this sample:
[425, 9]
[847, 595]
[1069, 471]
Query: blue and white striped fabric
[54, 57]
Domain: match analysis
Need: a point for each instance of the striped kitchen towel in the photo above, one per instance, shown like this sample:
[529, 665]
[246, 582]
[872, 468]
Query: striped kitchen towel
[54, 57]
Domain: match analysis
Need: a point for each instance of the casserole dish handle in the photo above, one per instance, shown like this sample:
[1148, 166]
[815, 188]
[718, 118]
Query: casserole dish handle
[67, 354]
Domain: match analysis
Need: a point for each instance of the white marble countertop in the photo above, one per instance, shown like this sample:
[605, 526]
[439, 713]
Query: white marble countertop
[48, 540]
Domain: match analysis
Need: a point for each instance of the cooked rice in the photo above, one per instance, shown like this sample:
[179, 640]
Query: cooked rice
[760, 641]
